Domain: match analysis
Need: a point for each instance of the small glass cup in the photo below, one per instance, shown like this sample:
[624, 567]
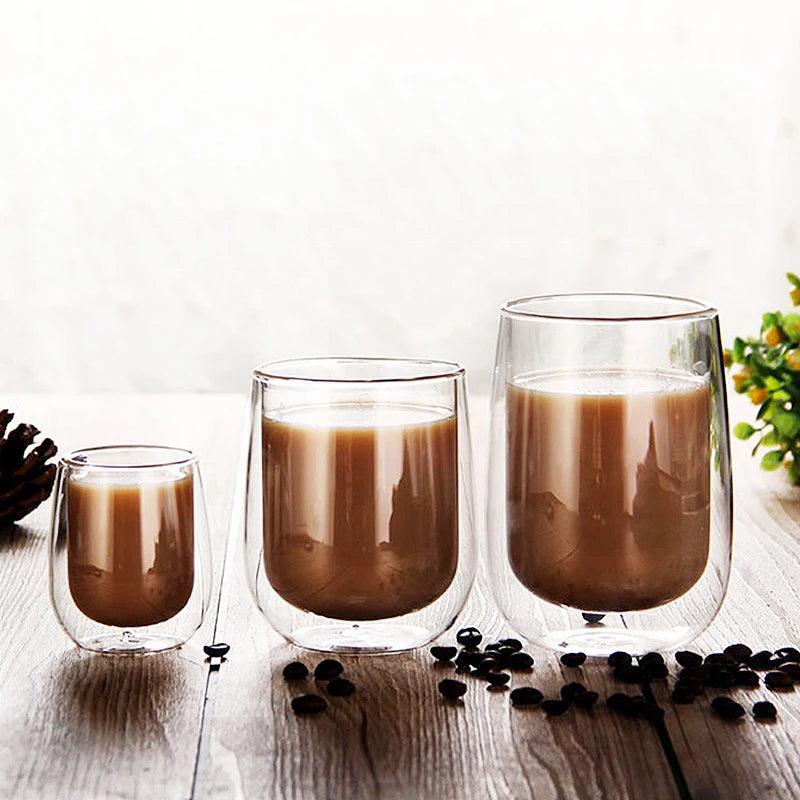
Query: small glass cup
[130, 558]
[609, 522]
[359, 521]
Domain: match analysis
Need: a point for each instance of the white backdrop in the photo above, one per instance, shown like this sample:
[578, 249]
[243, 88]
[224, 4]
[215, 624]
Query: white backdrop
[187, 189]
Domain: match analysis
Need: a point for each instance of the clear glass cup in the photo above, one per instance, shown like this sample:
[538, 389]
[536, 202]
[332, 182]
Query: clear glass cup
[130, 557]
[359, 517]
[609, 521]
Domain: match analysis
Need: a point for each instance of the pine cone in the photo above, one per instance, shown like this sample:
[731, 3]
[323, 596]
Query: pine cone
[25, 480]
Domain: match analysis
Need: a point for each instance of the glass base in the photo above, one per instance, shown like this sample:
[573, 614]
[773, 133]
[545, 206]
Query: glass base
[369, 638]
[127, 643]
[602, 640]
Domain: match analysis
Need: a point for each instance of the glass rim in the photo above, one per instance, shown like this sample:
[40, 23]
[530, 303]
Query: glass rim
[693, 309]
[428, 369]
[181, 456]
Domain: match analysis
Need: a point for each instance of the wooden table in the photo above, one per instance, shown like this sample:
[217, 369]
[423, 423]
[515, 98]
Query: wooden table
[75, 725]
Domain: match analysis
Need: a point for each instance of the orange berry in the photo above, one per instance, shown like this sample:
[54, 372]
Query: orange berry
[727, 358]
[795, 295]
[793, 359]
[758, 395]
[773, 336]
[739, 380]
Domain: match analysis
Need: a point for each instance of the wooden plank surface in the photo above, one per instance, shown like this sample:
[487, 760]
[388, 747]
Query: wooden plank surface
[76, 725]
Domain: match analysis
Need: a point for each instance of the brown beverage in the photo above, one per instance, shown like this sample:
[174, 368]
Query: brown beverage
[360, 507]
[608, 486]
[130, 549]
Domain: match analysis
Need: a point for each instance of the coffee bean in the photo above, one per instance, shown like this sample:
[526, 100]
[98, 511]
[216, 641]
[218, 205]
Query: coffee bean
[760, 661]
[727, 708]
[657, 671]
[295, 671]
[592, 619]
[720, 659]
[632, 673]
[492, 646]
[452, 689]
[686, 658]
[463, 662]
[328, 669]
[216, 650]
[488, 665]
[738, 652]
[340, 687]
[619, 659]
[554, 708]
[619, 702]
[721, 679]
[683, 696]
[788, 653]
[700, 672]
[308, 704]
[586, 699]
[649, 659]
[444, 653]
[469, 637]
[764, 710]
[792, 670]
[497, 678]
[690, 685]
[778, 681]
[503, 656]
[526, 696]
[573, 659]
[516, 644]
[520, 661]
[747, 678]
[569, 691]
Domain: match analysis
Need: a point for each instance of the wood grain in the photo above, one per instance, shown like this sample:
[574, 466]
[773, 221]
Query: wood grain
[75, 725]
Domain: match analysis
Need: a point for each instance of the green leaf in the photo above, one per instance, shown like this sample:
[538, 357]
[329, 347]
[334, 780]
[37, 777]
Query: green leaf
[743, 430]
[772, 460]
[791, 326]
[737, 352]
[762, 410]
[794, 475]
[769, 319]
[772, 383]
[787, 423]
[782, 396]
[770, 439]
[793, 279]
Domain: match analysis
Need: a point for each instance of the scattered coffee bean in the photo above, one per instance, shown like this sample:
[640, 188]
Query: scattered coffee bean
[720, 660]
[682, 695]
[308, 704]
[651, 658]
[690, 685]
[340, 687]
[469, 637]
[788, 653]
[586, 699]
[764, 710]
[526, 696]
[779, 681]
[632, 673]
[721, 679]
[619, 702]
[515, 643]
[686, 658]
[492, 646]
[444, 653]
[727, 708]
[569, 691]
[327, 669]
[216, 650]
[520, 661]
[573, 659]
[554, 708]
[488, 665]
[738, 652]
[657, 671]
[592, 619]
[699, 672]
[747, 678]
[760, 661]
[452, 689]
[792, 670]
[463, 662]
[497, 678]
[295, 671]
[619, 659]
[503, 656]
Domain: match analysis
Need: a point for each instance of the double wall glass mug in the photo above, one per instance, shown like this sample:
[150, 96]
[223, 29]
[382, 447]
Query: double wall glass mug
[358, 505]
[609, 521]
[130, 559]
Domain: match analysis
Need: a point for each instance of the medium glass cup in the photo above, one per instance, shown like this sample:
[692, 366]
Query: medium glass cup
[609, 522]
[130, 558]
[359, 521]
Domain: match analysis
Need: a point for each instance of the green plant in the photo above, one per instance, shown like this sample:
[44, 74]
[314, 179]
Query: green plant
[767, 369]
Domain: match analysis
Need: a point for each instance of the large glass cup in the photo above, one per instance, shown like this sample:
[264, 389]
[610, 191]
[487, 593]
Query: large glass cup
[130, 557]
[358, 501]
[609, 523]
